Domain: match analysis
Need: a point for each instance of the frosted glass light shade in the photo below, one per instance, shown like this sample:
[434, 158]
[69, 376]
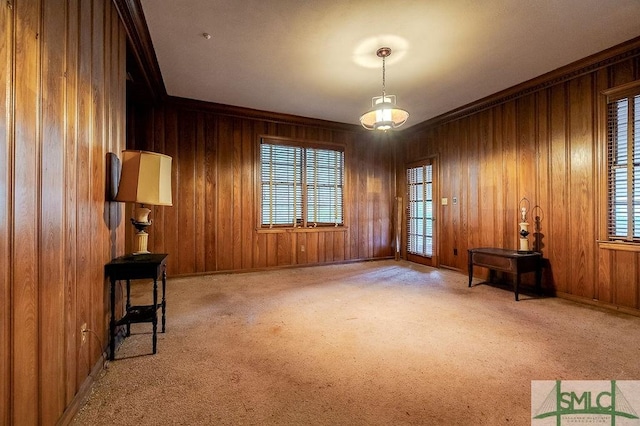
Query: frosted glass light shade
[384, 115]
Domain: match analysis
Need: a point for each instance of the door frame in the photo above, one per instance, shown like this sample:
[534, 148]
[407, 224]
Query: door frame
[435, 172]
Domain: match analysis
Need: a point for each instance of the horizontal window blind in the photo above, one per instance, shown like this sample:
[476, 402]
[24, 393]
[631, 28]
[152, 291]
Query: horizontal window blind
[324, 186]
[623, 159]
[281, 169]
[301, 186]
[420, 210]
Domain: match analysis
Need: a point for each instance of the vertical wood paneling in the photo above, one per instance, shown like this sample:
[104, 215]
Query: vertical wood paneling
[96, 322]
[215, 159]
[558, 238]
[312, 247]
[603, 287]
[6, 152]
[159, 212]
[61, 108]
[83, 177]
[71, 200]
[543, 174]
[623, 72]
[52, 354]
[526, 157]
[363, 205]
[510, 176]
[581, 186]
[170, 230]
[497, 163]
[237, 197]
[26, 181]
[481, 219]
[604, 276]
[457, 144]
[474, 175]
[185, 203]
[625, 278]
[542, 144]
[249, 220]
[224, 248]
[200, 198]
[449, 139]
[210, 195]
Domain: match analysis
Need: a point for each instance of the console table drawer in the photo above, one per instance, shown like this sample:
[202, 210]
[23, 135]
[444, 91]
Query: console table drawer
[493, 262]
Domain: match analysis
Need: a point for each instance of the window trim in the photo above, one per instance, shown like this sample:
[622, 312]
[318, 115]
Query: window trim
[305, 144]
[607, 96]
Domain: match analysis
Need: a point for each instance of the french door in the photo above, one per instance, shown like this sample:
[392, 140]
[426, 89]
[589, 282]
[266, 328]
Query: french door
[420, 214]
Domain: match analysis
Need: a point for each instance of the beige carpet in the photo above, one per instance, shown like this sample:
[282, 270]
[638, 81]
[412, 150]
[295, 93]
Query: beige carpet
[372, 343]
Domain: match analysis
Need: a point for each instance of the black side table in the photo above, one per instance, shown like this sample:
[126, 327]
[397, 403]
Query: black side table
[506, 260]
[133, 267]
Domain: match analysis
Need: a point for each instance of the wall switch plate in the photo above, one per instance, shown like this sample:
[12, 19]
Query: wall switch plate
[445, 201]
[83, 332]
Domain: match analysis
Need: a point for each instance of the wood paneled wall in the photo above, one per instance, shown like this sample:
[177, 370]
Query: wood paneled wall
[62, 109]
[213, 223]
[540, 141]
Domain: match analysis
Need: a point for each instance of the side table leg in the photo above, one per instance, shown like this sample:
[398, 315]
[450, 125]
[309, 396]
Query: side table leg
[155, 315]
[164, 303]
[539, 277]
[470, 268]
[517, 285]
[112, 322]
[128, 306]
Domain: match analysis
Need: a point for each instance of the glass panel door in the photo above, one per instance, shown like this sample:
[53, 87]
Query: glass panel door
[420, 213]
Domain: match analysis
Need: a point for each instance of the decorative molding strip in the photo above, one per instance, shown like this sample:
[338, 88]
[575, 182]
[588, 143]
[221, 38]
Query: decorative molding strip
[135, 24]
[274, 117]
[619, 53]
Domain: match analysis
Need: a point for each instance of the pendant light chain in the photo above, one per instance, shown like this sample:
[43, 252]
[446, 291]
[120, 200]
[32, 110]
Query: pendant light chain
[384, 114]
[384, 85]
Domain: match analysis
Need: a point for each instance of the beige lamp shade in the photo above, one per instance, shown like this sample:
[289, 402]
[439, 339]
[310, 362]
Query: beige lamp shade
[145, 178]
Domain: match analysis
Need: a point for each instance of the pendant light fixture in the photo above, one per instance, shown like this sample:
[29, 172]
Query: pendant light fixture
[384, 113]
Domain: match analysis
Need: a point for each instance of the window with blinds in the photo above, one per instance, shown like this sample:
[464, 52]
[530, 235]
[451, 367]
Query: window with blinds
[301, 186]
[420, 210]
[623, 161]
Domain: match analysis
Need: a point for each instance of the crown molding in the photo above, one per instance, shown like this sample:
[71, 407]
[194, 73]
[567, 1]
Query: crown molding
[273, 117]
[608, 57]
[141, 46]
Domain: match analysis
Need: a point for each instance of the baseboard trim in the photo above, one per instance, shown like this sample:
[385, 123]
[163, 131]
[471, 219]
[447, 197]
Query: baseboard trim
[599, 304]
[274, 268]
[83, 392]
[85, 388]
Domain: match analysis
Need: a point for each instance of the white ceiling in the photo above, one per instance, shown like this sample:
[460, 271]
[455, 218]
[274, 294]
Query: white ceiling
[316, 58]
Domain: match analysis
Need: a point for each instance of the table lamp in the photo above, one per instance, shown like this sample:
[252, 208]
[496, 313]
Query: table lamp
[145, 179]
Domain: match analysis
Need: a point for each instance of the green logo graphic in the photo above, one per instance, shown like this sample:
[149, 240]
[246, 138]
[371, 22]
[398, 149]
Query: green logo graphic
[603, 403]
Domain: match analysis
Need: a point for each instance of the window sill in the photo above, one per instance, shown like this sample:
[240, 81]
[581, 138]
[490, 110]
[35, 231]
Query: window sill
[302, 230]
[619, 246]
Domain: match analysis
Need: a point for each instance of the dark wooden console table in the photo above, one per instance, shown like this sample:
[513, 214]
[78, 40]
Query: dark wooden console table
[505, 260]
[133, 267]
